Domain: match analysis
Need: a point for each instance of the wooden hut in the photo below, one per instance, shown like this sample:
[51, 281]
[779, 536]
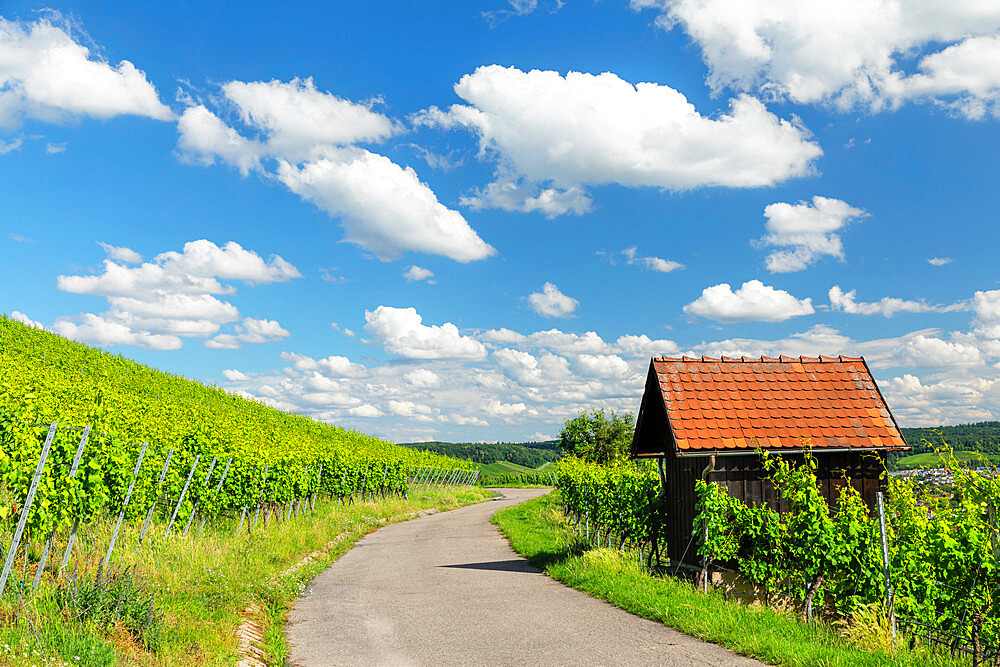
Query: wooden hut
[705, 418]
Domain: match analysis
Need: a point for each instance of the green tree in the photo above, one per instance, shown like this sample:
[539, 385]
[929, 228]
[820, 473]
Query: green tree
[598, 436]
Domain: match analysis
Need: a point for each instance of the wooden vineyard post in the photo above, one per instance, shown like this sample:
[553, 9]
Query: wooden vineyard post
[121, 514]
[977, 627]
[72, 474]
[159, 487]
[180, 500]
[19, 531]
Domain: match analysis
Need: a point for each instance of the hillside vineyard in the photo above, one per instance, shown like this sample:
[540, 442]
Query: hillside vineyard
[86, 434]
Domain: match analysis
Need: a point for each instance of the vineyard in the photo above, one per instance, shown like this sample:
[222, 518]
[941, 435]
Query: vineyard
[92, 439]
[933, 580]
[611, 505]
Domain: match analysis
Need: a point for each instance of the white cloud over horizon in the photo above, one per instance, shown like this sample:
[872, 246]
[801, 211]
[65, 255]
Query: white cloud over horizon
[444, 379]
[175, 295]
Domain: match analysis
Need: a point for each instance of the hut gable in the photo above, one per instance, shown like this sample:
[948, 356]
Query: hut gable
[700, 406]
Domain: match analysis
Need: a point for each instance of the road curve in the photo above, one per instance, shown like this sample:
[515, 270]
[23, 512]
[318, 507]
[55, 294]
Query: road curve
[447, 589]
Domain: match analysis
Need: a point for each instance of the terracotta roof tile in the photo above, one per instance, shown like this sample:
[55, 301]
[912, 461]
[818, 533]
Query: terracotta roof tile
[782, 402]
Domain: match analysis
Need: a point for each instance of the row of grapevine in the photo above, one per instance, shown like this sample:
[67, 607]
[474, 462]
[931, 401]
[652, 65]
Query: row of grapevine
[943, 550]
[613, 501]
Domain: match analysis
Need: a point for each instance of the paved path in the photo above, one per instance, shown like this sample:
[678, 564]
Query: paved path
[447, 589]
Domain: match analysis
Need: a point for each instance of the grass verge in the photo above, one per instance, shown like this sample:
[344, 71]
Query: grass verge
[538, 531]
[200, 586]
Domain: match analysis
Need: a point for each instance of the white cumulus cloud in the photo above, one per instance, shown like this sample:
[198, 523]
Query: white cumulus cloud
[250, 331]
[805, 232]
[849, 53]
[887, 306]
[46, 74]
[305, 139]
[752, 302]
[416, 273]
[121, 253]
[550, 302]
[401, 331]
[18, 316]
[103, 331]
[552, 134]
[176, 294]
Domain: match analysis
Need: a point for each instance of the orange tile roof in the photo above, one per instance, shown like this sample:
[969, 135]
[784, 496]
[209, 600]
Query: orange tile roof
[774, 402]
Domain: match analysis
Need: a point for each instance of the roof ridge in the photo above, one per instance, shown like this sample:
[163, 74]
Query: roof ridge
[783, 359]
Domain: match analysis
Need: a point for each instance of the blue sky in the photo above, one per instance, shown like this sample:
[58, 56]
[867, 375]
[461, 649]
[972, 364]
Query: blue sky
[469, 221]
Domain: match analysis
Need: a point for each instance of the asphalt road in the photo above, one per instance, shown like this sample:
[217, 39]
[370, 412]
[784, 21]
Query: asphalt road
[447, 589]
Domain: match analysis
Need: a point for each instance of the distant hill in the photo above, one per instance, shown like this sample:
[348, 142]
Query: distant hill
[979, 437]
[934, 460]
[505, 468]
[527, 454]
[983, 437]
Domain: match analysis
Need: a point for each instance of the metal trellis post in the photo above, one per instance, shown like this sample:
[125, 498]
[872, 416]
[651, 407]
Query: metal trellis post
[159, 487]
[218, 488]
[885, 566]
[121, 514]
[180, 500]
[194, 509]
[19, 531]
[72, 474]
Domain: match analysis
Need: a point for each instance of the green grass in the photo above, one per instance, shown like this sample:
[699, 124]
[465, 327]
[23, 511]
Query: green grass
[538, 531]
[934, 460]
[202, 586]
